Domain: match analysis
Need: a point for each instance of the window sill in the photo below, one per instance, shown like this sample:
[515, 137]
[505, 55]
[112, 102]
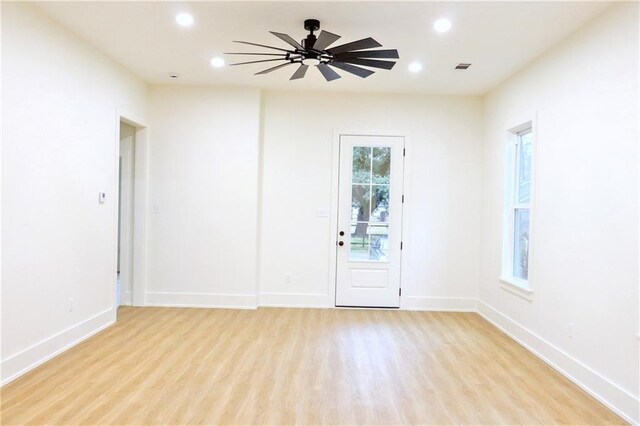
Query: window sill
[516, 287]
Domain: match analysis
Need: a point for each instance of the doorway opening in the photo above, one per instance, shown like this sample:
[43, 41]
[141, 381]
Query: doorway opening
[126, 176]
[131, 173]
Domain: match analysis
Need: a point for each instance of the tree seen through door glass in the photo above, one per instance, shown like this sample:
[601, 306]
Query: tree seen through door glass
[379, 203]
[361, 171]
[381, 164]
[371, 169]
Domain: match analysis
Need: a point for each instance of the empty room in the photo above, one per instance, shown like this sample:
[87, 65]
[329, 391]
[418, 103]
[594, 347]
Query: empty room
[336, 212]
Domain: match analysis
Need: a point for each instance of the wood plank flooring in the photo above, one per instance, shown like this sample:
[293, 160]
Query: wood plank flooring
[297, 366]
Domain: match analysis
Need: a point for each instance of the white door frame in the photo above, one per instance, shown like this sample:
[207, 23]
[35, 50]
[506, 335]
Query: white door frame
[335, 171]
[140, 206]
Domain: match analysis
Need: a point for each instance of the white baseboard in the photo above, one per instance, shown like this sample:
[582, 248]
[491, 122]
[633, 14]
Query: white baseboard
[291, 300]
[18, 364]
[202, 300]
[611, 395]
[442, 304]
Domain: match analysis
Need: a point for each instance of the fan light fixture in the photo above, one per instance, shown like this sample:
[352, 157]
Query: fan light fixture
[315, 51]
[311, 61]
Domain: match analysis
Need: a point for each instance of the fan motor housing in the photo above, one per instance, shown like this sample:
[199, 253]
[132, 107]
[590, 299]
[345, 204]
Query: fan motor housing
[311, 25]
[308, 42]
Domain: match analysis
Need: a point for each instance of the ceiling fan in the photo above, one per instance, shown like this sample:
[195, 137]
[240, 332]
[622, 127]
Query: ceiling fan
[349, 57]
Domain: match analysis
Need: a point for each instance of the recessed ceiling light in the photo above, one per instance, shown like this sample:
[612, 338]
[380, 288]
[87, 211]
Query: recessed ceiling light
[217, 62]
[415, 67]
[442, 25]
[184, 19]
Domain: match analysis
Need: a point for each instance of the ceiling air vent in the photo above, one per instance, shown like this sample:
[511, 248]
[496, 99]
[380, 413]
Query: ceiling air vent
[462, 66]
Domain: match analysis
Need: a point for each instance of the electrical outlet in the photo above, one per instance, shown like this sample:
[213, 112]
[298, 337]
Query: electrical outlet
[71, 305]
[570, 330]
[287, 278]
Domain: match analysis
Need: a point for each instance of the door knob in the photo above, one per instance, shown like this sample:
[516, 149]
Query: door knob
[341, 243]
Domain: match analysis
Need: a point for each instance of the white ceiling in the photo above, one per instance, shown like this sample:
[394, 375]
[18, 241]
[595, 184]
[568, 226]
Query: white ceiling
[498, 38]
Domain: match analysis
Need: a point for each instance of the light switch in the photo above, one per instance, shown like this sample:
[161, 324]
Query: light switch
[102, 197]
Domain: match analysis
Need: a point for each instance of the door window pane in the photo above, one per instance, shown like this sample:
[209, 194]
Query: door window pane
[359, 246]
[379, 242]
[361, 171]
[360, 203]
[381, 168]
[379, 203]
[521, 244]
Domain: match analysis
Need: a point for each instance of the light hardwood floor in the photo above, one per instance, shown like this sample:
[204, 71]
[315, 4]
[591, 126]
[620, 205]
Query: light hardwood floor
[304, 366]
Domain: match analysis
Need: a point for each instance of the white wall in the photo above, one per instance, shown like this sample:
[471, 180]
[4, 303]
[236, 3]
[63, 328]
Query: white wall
[203, 192]
[584, 97]
[442, 239]
[204, 183]
[60, 136]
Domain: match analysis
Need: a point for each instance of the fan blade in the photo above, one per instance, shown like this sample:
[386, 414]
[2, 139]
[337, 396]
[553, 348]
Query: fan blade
[256, 62]
[387, 65]
[381, 54]
[327, 72]
[365, 43]
[360, 72]
[262, 45]
[300, 72]
[268, 70]
[287, 39]
[324, 40]
[258, 54]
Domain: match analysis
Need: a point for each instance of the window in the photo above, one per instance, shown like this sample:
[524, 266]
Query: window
[517, 215]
